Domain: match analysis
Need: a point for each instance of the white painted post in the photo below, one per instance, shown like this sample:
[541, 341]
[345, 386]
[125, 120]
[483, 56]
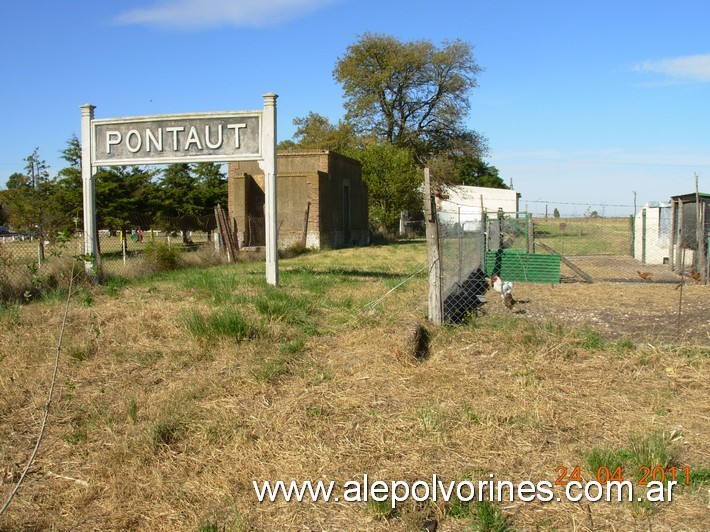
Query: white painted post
[88, 188]
[268, 165]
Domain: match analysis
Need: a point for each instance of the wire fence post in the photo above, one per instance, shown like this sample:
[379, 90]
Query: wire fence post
[433, 253]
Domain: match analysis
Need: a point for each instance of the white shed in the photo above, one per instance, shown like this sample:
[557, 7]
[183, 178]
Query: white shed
[465, 204]
[652, 233]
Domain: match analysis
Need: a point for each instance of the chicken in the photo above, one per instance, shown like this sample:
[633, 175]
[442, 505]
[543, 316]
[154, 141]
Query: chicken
[695, 275]
[505, 289]
[645, 275]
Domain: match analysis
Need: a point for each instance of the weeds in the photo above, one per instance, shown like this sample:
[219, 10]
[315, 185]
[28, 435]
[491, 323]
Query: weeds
[132, 410]
[166, 431]
[280, 305]
[487, 517]
[272, 369]
[161, 257]
[590, 339]
[431, 419]
[699, 476]
[9, 314]
[381, 509]
[228, 322]
[113, 286]
[643, 451]
[624, 345]
[471, 416]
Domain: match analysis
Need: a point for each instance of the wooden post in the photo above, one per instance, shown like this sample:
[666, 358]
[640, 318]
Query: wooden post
[679, 236]
[433, 255]
[672, 243]
[700, 233]
[531, 233]
[304, 236]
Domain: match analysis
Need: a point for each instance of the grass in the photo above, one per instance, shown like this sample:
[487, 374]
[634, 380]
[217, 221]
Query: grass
[646, 451]
[201, 381]
[227, 322]
[585, 236]
[166, 431]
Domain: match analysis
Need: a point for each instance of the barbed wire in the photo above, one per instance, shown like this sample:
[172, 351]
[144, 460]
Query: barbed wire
[542, 202]
[549, 202]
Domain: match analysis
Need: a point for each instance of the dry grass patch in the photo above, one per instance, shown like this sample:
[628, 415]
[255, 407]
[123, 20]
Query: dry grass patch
[161, 428]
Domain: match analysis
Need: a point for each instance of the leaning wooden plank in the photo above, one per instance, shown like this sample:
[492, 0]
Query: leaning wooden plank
[576, 269]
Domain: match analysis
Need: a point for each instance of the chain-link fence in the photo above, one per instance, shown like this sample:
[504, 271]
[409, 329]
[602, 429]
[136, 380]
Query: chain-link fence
[473, 246]
[461, 251]
[129, 251]
[29, 265]
[609, 248]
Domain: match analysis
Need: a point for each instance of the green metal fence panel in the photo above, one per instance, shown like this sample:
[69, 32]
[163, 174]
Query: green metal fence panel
[517, 265]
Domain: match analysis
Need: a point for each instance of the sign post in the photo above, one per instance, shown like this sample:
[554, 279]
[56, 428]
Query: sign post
[268, 166]
[88, 191]
[182, 138]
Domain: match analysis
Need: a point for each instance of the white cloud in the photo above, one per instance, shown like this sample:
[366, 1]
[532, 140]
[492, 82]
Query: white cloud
[692, 68]
[193, 14]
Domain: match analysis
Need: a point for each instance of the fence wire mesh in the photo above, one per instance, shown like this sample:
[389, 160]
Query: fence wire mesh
[30, 264]
[461, 245]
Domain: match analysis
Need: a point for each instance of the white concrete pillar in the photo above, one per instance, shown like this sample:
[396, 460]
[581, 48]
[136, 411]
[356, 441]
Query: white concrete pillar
[88, 188]
[268, 165]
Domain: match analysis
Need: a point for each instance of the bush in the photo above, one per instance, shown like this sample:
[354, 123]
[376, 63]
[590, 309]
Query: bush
[161, 257]
[30, 282]
[294, 250]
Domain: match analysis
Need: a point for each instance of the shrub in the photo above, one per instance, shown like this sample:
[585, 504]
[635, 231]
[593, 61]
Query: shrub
[162, 257]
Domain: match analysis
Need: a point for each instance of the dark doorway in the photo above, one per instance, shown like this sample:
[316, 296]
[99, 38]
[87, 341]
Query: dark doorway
[346, 215]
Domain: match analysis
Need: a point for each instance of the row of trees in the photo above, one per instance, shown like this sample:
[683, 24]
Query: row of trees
[174, 198]
[406, 105]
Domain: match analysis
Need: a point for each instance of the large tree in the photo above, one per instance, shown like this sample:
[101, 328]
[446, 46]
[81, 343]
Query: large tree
[68, 191]
[29, 198]
[393, 182]
[125, 197]
[180, 200]
[212, 187]
[316, 132]
[411, 94]
[461, 170]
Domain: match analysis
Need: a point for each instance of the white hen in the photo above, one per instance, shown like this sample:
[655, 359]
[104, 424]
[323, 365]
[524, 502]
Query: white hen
[505, 289]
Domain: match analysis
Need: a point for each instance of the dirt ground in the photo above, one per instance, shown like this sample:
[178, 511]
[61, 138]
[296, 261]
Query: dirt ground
[619, 268]
[641, 311]
[156, 427]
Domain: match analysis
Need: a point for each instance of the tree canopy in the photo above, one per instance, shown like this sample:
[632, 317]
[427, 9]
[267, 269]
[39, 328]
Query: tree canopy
[126, 196]
[411, 94]
[316, 132]
[406, 105]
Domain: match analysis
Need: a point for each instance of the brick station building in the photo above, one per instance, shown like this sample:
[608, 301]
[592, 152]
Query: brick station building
[321, 200]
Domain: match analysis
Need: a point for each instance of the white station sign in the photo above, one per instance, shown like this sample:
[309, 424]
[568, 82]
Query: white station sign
[184, 138]
[181, 138]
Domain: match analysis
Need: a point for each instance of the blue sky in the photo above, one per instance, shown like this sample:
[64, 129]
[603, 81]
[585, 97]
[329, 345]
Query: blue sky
[582, 102]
